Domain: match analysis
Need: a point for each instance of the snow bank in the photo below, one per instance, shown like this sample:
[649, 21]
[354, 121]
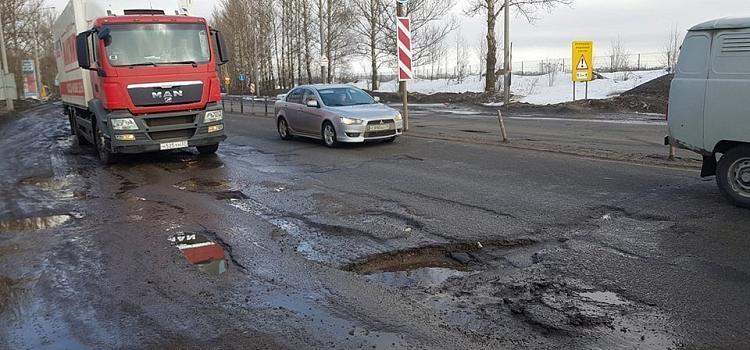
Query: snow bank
[535, 89]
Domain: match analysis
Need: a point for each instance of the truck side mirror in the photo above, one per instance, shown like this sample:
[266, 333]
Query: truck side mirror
[82, 50]
[221, 47]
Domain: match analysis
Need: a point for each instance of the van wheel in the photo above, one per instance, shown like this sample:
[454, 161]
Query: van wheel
[733, 176]
[105, 156]
[210, 149]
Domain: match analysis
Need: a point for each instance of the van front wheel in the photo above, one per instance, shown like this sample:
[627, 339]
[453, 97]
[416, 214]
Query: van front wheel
[733, 176]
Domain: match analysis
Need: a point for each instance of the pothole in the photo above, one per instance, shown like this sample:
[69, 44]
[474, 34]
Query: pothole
[14, 295]
[34, 224]
[608, 298]
[200, 251]
[202, 186]
[428, 266]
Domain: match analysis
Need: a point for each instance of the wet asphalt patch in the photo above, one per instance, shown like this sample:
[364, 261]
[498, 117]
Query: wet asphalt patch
[34, 223]
[14, 295]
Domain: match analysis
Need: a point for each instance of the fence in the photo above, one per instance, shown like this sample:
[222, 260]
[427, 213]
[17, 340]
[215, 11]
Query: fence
[260, 106]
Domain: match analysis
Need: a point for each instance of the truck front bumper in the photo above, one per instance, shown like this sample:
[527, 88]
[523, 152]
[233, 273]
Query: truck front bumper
[164, 128]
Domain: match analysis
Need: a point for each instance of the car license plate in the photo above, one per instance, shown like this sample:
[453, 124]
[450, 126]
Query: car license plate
[379, 127]
[173, 145]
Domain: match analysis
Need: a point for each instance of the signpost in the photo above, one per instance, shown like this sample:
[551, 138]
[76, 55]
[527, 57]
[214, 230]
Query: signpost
[29, 79]
[404, 57]
[242, 93]
[583, 63]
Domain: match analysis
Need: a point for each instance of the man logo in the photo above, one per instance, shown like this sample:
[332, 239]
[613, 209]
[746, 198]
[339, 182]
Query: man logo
[166, 95]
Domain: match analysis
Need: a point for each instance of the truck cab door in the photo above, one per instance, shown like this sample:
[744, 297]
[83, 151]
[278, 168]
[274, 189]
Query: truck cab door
[688, 90]
[727, 111]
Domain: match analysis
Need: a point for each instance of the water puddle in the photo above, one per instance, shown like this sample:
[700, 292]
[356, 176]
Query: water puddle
[34, 224]
[200, 251]
[14, 295]
[421, 277]
[311, 308]
[202, 186]
[604, 298]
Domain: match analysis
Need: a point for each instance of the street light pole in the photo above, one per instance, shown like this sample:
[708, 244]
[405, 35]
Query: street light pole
[506, 67]
[37, 76]
[8, 97]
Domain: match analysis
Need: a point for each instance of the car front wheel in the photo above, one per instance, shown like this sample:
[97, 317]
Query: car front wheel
[329, 135]
[733, 176]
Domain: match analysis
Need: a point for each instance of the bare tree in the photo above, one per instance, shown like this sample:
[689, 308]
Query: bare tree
[462, 61]
[369, 26]
[618, 55]
[672, 46]
[430, 24]
[492, 9]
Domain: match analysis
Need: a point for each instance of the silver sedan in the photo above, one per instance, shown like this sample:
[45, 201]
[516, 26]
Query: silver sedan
[335, 114]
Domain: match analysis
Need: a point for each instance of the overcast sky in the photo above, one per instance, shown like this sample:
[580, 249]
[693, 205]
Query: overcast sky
[642, 24]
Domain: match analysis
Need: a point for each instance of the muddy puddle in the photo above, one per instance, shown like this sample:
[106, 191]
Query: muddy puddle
[34, 224]
[14, 295]
[203, 253]
[202, 186]
[313, 307]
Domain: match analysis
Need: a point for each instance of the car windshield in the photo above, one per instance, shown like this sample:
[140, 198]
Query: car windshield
[344, 96]
[157, 43]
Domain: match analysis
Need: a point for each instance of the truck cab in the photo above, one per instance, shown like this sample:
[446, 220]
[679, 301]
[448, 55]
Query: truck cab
[709, 103]
[140, 80]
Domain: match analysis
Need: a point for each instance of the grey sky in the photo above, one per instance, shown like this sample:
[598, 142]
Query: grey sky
[642, 24]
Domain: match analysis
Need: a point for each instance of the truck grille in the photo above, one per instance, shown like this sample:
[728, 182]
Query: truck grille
[167, 121]
[146, 95]
[172, 134]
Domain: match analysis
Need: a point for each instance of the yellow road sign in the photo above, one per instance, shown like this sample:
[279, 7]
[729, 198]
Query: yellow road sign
[583, 60]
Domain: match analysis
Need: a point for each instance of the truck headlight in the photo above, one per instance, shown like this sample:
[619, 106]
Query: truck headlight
[398, 117]
[350, 121]
[213, 116]
[124, 124]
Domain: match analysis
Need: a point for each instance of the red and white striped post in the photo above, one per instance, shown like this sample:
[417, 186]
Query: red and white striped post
[404, 57]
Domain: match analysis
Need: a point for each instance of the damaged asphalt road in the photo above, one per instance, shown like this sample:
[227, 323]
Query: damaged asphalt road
[419, 244]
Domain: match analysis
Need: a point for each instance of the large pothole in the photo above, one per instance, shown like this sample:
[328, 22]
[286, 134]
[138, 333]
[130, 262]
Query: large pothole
[203, 253]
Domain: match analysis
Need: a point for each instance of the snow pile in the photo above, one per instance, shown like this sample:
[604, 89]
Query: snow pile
[535, 89]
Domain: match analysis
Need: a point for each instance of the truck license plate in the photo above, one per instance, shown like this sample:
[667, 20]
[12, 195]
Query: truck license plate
[379, 127]
[173, 145]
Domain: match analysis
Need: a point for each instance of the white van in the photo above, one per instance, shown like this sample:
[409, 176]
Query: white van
[709, 103]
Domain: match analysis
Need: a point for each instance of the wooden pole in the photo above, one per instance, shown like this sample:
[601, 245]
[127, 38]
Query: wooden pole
[502, 126]
[672, 153]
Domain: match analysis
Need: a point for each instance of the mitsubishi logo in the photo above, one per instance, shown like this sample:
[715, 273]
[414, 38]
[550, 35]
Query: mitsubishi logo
[382, 122]
[166, 95]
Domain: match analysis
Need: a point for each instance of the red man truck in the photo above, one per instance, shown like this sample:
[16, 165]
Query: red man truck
[139, 78]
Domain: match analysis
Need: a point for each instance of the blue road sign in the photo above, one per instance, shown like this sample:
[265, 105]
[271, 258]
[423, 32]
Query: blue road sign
[242, 77]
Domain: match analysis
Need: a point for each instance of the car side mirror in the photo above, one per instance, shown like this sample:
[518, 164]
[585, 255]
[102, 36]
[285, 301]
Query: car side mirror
[377, 99]
[312, 103]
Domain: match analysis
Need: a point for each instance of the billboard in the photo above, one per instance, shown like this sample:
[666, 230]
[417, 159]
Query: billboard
[29, 79]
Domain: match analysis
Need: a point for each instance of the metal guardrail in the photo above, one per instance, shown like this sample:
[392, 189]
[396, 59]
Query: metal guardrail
[249, 105]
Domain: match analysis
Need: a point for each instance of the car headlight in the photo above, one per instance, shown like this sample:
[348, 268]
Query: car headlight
[350, 121]
[124, 124]
[213, 116]
[398, 117]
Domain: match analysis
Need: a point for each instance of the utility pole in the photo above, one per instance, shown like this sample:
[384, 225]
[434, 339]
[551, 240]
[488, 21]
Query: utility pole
[37, 76]
[401, 12]
[506, 66]
[8, 98]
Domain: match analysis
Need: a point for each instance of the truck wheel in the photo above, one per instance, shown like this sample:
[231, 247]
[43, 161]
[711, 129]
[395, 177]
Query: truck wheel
[733, 176]
[71, 119]
[210, 149]
[105, 156]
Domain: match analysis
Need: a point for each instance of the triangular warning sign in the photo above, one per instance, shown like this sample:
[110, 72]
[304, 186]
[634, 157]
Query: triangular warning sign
[582, 64]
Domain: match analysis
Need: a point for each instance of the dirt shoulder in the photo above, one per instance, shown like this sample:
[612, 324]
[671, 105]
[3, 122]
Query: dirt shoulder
[651, 97]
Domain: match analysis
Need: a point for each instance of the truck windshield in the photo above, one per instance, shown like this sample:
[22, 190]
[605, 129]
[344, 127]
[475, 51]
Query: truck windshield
[157, 43]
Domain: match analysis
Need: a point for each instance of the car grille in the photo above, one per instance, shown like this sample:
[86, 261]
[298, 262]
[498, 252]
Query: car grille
[381, 133]
[172, 134]
[167, 121]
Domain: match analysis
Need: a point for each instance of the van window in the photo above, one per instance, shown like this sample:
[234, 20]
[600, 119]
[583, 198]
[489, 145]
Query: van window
[694, 55]
[734, 57]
